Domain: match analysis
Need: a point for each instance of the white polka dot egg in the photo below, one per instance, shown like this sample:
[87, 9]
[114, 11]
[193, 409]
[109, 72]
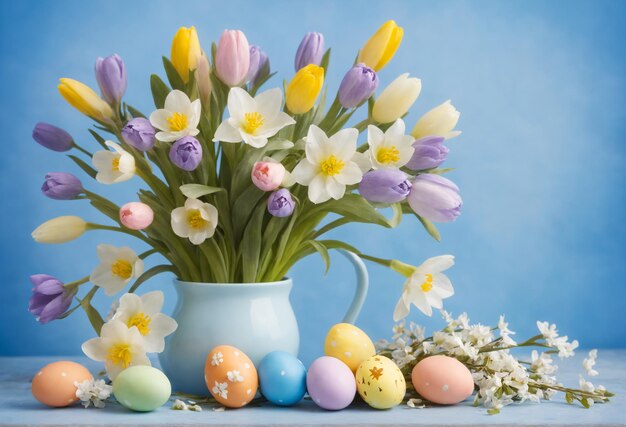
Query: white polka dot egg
[230, 376]
[349, 344]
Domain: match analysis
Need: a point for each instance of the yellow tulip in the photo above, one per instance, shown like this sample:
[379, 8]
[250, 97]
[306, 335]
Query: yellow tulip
[60, 230]
[85, 100]
[304, 89]
[185, 51]
[381, 47]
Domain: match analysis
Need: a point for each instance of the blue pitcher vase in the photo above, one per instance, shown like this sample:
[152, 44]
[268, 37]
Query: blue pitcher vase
[257, 318]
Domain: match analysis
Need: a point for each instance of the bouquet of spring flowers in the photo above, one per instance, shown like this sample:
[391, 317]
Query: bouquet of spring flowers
[240, 181]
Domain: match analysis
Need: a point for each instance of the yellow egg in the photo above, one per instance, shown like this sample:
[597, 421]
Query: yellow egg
[349, 344]
[380, 382]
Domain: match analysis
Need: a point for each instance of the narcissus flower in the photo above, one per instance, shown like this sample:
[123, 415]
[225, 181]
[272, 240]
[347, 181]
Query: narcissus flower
[85, 100]
[310, 50]
[426, 287]
[440, 121]
[185, 51]
[253, 120]
[118, 346]
[381, 47]
[61, 186]
[118, 266]
[113, 166]
[111, 77]
[330, 164]
[60, 230]
[391, 148]
[435, 198]
[136, 215]
[179, 117]
[196, 221]
[304, 89]
[139, 133]
[50, 298]
[396, 99]
[52, 137]
[232, 59]
[144, 313]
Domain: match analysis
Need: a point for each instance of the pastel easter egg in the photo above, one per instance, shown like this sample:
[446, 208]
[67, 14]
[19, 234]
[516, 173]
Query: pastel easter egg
[230, 376]
[349, 344]
[442, 379]
[330, 383]
[54, 385]
[142, 388]
[282, 378]
[380, 382]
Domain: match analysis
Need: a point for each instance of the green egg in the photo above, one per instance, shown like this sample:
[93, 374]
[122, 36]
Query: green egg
[142, 388]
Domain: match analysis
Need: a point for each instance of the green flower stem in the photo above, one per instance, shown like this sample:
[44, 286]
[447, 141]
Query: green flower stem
[92, 226]
[75, 284]
[146, 254]
[82, 150]
[362, 125]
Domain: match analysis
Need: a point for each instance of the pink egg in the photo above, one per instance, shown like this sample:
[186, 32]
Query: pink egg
[330, 383]
[442, 379]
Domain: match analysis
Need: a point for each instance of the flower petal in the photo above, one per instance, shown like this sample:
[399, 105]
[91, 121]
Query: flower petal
[177, 101]
[227, 133]
[304, 172]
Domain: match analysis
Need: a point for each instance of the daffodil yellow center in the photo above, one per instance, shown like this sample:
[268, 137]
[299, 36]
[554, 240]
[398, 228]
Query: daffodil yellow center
[115, 164]
[388, 155]
[141, 321]
[122, 269]
[332, 166]
[177, 121]
[195, 220]
[428, 283]
[120, 354]
[252, 121]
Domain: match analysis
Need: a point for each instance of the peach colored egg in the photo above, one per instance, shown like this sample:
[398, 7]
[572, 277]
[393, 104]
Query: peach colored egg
[442, 379]
[230, 376]
[54, 385]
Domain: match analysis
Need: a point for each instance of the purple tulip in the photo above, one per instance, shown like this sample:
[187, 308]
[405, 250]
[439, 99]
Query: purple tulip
[429, 153]
[139, 133]
[310, 51]
[111, 76]
[49, 299]
[435, 198]
[359, 83]
[280, 203]
[186, 153]
[52, 137]
[61, 186]
[259, 65]
[385, 186]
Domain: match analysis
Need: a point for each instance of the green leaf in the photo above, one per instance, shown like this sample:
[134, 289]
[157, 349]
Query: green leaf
[430, 228]
[134, 112]
[251, 245]
[194, 191]
[569, 398]
[159, 91]
[585, 402]
[356, 208]
[157, 269]
[84, 166]
[98, 138]
[172, 75]
[493, 411]
[323, 251]
[440, 171]
[92, 314]
[325, 61]
[397, 215]
[243, 208]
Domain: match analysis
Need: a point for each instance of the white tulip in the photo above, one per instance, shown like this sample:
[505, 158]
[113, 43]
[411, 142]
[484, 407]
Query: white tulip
[60, 230]
[396, 99]
[178, 118]
[196, 221]
[440, 121]
[113, 166]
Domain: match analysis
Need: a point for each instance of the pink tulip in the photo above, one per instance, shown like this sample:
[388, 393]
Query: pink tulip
[136, 215]
[267, 176]
[232, 59]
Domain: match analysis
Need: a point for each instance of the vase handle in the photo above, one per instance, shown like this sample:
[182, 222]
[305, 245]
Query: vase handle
[362, 284]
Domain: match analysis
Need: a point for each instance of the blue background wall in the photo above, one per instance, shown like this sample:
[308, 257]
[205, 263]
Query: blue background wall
[541, 88]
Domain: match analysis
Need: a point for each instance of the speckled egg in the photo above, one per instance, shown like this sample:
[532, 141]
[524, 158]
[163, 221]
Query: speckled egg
[442, 379]
[330, 383]
[380, 382]
[54, 385]
[349, 344]
[230, 376]
[282, 378]
[142, 388]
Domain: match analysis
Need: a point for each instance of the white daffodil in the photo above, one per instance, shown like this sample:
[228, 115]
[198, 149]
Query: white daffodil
[391, 148]
[253, 120]
[196, 221]
[178, 118]
[426, 287]
[118, 347]
[117, 267]
[330, 164]
[144, 312]
[113, 166]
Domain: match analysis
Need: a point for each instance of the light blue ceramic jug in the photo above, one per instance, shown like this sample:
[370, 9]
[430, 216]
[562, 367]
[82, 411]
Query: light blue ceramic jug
[254, 317]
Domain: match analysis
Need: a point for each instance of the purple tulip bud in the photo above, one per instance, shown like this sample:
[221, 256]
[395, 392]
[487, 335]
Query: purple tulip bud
[385, 185]
[429, 153]
[49, 299]
[139, 133]
[111, 76]
[52, 137]
[61, 186]
[310, 51]
[280, 203]
[259, 65]
[435, 198]
[186, 153]
[359, 83]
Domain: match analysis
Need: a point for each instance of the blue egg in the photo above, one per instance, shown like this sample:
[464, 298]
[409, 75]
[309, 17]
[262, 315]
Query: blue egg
[282, 378]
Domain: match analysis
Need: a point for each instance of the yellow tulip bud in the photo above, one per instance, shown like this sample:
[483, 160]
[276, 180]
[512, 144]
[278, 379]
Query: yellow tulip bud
[396, 99]
[304, 89]
[381, 47]
[85, 100]
[185, 51]
[60, 230]
[439, 121]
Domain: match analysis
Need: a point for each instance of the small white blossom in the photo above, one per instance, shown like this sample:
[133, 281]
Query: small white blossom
[566, 349]
[220, 389]
[548, 331]
[179, 405]
[93, 392]
[415, 403]
[234, 376]
[217, 358]
[589, 363]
